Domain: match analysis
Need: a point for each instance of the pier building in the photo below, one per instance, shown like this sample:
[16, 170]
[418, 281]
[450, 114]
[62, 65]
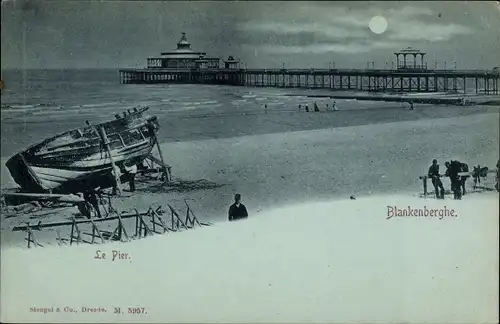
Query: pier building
[403, 63]
[183, 57]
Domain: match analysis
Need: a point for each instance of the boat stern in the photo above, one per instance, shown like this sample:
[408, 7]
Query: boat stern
[23, 175]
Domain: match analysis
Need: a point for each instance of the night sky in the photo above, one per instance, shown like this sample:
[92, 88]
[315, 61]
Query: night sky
[111, 34]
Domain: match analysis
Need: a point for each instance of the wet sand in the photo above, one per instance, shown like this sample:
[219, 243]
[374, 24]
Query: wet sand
[190, 127]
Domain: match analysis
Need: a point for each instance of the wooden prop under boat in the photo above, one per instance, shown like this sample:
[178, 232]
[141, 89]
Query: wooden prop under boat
[77, 160]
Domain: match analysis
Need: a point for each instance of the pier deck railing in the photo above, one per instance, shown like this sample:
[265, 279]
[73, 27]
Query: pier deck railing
[328, 71]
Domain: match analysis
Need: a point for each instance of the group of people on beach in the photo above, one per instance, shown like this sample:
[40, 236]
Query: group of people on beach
[316, 108]
[453, 168]
[458, 172]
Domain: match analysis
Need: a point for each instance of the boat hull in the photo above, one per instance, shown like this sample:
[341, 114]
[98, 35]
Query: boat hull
[71, 177]
[78, 160]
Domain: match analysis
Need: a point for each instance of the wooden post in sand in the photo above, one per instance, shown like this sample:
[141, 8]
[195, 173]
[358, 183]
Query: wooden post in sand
[105, 141]
[424, 183]
[59, 238]
[162, 223]
[31, 237]
[165, 172]
[74, 228]
[142, 224]
[190, 221]
[94, 230]
[176, 220]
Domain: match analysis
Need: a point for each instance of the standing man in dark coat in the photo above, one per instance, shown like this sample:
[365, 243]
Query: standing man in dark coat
[463, 168]
[436, 181]
[497, 184]
[237, 210]
[453, 168]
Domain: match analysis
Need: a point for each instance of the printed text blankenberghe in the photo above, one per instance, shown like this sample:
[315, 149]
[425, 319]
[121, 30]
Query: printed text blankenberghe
[440, 213]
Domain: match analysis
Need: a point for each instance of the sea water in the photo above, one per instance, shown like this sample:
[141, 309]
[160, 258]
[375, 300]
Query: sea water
[36, 104]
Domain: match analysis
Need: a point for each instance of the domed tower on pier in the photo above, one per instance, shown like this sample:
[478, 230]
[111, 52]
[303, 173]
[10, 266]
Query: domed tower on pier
[183, 44]
[183, 57]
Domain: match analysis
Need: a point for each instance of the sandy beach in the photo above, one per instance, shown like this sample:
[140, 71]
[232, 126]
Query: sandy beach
[330, 261]
[274, 170]
[334, 259]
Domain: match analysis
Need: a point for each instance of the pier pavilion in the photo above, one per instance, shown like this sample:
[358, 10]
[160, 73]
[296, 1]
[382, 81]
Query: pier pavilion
[183, 57]
[415, 64]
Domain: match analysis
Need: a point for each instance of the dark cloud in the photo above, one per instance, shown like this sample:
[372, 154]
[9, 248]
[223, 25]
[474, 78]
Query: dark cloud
[41, 34]
[29, 6]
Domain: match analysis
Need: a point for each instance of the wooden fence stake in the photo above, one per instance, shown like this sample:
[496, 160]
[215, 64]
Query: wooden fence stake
[74, 228]
[96, 229]
[194, 219]
[162, 223]
[122, 228]
[144, 225]
[59, 239]
[152, 220]
[177, 219]
[31, 237]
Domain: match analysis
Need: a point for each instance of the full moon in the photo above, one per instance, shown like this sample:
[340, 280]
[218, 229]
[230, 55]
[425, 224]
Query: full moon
[378, 24]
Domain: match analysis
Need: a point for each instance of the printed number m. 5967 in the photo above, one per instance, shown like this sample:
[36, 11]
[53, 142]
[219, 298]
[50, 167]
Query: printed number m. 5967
[136, 310]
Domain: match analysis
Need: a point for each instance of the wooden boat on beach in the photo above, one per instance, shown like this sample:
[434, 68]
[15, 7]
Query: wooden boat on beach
[82, 159]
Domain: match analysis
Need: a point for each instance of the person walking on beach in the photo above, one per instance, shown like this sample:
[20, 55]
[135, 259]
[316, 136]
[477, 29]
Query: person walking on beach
[334, 106]
[307, 108]
[316, 108]
[436, 181]
[300, 106]
[448, 172]
[265, 108]
[237, 210]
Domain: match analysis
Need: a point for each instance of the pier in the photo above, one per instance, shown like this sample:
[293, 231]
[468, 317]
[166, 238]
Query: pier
[184, 65]
[483, 81]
